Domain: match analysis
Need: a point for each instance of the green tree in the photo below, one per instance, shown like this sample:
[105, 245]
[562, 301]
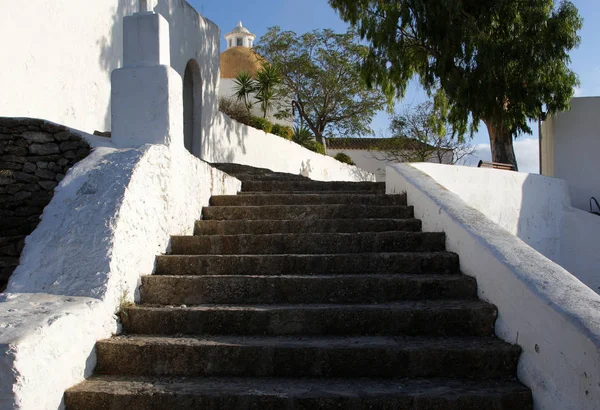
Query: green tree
[243, 88]
[501, 62]
[320, 72]
[267, 90]
[423, 134]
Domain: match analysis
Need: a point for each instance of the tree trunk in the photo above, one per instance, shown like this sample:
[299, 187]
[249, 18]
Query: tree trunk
[501, 144]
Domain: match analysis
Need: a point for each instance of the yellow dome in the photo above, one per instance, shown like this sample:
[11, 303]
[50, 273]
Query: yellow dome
[234, 60]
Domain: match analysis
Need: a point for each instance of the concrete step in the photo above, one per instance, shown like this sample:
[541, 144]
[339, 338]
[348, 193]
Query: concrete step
[309, 243]
[429, 317]
[260, 227]
[351, 263]
[304, 212]
[253, 186]
[227, 393]
[374, 288]
[306, 199]
[294, 356]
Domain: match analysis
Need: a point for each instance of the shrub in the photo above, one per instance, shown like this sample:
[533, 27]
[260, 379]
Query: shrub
[283, 131]
[344, 158]
[235, 110]
[261, 124]
[316, 147]
[302, 136]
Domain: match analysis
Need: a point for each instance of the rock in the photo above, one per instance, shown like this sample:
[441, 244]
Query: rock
[48, 185]
[62, 136]
[6, 177]
[15, 150]
[11, 165]
[70, 145]
[32, 187]
[36, 136]
[14, 188]
[44, 149]
[29, 167]
[19, 196]
[70, 154]
[59, 177]
[62, 162]
[52, 166]
[52, 128]
[45, 174]
[14, 158]
[41, 164]
[22, 176]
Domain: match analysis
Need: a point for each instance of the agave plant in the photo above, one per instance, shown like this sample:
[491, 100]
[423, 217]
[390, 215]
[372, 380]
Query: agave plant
[302, 136]
[243, 87]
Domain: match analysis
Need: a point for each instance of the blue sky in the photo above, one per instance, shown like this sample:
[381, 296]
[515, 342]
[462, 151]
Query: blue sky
[307, 15]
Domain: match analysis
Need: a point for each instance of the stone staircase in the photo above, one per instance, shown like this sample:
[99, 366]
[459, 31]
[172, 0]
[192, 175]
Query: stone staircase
[298, 294]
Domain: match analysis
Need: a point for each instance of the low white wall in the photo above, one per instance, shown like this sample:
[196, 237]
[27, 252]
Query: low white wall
[580, 246]
[526, 205]
[231, 141]
[535, 208]
[544, 309]
[364, 160]
[109, 218]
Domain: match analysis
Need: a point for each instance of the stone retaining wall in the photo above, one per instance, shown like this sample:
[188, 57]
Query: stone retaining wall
[34, 157]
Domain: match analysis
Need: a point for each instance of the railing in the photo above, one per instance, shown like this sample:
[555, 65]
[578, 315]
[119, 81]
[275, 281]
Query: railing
[496, 165]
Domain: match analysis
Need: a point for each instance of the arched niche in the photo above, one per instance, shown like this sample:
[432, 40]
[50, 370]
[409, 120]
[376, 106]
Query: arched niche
[192, 108]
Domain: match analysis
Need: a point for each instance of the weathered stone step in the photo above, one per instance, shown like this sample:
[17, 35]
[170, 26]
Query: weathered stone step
[293, 356]
[173, 393]
[318, 192]
[306, 199]
[240, 169]
[260, 227]
[268, 177]
[429, 317]
[375, 288]
[309, 243]
[359, 263]
[329, 211]
[251, 186]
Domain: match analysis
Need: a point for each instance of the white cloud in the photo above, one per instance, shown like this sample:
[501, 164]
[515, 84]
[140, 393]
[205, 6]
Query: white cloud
[526, 151]
[578, 92]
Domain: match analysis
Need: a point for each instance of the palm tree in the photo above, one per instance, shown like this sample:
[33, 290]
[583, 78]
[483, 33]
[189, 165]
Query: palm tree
[268, 79]
[244, 86]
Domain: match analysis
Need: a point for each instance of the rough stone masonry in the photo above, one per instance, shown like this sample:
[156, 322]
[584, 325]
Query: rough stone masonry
[34, 157]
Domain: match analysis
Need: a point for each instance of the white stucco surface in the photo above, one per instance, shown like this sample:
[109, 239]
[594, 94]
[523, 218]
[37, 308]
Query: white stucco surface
[110, 216]
[526, 205]
[61, 55]
[570, 149]
[372, 161]
[547, 311]
[231, 141]
[535, 208]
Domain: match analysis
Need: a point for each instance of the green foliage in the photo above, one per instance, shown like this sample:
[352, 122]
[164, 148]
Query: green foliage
[235, 110]
[344, 158]
[283, 131]
[243, 87]
[268, 80]
[500, 62]
[316, 147]
[320, 70]
[261, 124]
[302, 136]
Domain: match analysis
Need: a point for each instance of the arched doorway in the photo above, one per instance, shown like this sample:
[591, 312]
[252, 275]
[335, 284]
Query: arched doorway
[192, 108]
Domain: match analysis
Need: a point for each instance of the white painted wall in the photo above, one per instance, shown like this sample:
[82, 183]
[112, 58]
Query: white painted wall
[231, 141]
[535, 208]
[109, 218]
[571, 149]
[368, 160]
[60, 55]
[547, 311]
